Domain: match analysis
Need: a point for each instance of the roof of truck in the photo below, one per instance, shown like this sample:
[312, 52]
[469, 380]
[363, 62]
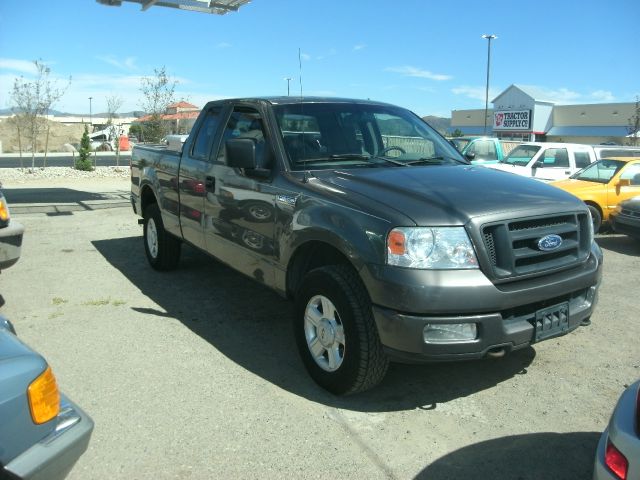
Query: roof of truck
[290, 100]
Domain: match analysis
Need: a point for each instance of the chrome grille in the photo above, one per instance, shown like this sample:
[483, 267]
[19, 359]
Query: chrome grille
[512, 246]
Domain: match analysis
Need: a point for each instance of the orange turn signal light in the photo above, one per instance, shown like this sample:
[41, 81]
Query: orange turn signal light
[4, 210]
[396, 242]
[44, 397]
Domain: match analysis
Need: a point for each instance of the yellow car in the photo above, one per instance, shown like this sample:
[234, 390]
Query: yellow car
[604, 184]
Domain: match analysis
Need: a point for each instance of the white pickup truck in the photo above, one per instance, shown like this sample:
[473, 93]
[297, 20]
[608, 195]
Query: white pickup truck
[547, 161]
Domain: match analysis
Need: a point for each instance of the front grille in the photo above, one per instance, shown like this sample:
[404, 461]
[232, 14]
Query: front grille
[630, 213]
[512, 246]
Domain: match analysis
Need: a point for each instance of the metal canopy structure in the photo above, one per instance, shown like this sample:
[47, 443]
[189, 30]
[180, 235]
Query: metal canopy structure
[217, 7]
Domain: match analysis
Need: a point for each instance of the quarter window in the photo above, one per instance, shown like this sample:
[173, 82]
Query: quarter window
[582, 159]
[205, 135]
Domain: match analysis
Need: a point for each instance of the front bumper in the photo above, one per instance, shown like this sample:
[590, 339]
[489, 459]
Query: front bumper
[10, 244]
[405, 301]
[625, 224]
[53, 457]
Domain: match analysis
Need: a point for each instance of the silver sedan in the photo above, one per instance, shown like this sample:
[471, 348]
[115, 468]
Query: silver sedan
[618, 454]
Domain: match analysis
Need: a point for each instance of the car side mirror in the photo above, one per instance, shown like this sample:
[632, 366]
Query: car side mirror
[624, 182]
[241, 153]
[538, 164]
[470, 155]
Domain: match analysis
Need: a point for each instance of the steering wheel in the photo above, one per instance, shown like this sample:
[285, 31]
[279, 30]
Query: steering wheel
[384, 151]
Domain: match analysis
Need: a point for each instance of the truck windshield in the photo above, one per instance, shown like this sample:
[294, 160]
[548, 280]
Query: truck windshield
[351, 135]
[600, 172]
[521, 155]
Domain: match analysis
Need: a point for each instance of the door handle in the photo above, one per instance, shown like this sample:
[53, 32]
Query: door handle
[210, 184]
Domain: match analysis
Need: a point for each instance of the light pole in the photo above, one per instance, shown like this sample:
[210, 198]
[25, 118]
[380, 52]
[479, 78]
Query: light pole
[486, 95]
[288, 79]
[90, 114]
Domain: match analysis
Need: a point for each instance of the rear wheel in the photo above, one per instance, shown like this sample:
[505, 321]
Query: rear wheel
[335, 331]
[596, 218]
[162, 248]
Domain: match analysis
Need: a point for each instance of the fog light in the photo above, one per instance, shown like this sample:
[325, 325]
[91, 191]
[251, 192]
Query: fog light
[450, 332]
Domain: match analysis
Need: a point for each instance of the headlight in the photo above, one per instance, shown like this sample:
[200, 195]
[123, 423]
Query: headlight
[430, 248]
[592, 232]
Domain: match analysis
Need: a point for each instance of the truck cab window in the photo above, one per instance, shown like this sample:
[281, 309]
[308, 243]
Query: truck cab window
[205, 134]
[582, 159]
[484, 149]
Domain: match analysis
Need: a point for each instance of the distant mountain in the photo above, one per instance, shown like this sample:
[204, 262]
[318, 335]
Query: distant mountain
[441, 124]
[57, 113]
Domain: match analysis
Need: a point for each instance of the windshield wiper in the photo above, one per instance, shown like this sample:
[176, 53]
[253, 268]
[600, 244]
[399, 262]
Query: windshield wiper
[368, 158]
[428, 161]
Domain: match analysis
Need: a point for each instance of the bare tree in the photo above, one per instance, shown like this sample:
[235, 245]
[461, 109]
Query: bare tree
[634, 125]
[114, 102]
[159, 93]
[31, 101]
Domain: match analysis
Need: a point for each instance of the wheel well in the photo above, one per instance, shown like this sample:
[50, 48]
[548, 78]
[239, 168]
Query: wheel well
[595, 205]
[309, 256]
[147, 198]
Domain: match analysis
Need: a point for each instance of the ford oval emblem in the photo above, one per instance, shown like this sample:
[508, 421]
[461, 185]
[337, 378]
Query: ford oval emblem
[549, 242]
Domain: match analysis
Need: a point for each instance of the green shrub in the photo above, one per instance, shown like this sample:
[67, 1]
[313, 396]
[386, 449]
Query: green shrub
[83, 162]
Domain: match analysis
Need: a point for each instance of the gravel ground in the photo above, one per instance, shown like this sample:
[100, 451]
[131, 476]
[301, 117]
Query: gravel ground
[193, 374]
[57, 176]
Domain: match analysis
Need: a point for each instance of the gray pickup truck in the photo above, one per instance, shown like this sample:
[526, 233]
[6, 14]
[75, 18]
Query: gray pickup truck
[392, 245]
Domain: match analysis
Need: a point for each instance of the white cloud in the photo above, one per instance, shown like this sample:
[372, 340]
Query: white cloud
[126, 64]
[305, 56]
[15, 65]
[222, 45]
[360, 46]
[476, 93]
[602, 96]
[409, 71]
[561, 96]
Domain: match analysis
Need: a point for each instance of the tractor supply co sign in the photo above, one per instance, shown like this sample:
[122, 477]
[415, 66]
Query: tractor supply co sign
[512, 120]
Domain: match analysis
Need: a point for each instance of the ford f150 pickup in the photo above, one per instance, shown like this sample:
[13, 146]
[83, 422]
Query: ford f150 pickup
[392, 245]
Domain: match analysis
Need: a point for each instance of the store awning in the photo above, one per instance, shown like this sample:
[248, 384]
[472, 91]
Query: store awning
[591, 131]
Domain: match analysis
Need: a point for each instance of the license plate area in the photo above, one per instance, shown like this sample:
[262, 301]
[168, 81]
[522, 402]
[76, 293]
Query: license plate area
[552, 321]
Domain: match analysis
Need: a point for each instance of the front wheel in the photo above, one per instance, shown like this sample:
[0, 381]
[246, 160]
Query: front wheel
[596, 218]
[162, 248]
[335, 331]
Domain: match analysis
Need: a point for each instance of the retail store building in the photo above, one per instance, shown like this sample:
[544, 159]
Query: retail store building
[517, 115]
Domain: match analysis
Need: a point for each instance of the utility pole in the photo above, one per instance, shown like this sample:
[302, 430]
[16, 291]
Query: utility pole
[288, 79]
[90, 114]
[486, 96]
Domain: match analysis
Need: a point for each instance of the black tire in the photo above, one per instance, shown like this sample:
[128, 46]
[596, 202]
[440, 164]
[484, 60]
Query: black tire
[596, 218]
[258, 212]
[162, 248]
[363, 363]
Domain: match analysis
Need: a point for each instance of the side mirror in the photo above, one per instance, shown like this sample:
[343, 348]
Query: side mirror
[470, 155]
[538, 164]
[241, 153]
[624, 182]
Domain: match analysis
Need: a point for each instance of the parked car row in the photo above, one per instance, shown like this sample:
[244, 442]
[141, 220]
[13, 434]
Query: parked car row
[42, 432]
[602, 176]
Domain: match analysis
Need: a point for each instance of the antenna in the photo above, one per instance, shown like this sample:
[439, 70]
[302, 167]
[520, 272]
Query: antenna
[300, 69]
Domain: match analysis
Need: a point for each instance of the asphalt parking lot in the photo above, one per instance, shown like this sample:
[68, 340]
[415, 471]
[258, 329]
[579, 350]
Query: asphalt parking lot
[194, 374]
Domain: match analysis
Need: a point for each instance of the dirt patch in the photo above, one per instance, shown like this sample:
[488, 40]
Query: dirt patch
[59, 135]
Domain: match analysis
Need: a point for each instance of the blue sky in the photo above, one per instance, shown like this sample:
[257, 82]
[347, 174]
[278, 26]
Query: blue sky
[425, 56]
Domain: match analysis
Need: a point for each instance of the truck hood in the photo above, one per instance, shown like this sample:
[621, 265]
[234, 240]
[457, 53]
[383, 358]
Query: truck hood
[447, 195]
